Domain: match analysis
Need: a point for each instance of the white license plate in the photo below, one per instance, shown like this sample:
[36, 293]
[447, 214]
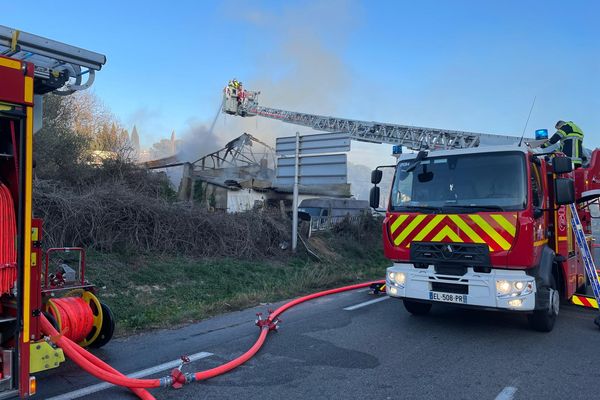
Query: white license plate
[448, 297]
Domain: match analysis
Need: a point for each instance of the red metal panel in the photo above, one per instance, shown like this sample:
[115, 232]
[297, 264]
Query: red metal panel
[588, 178]
[23, 357]
[504, 247]
[445, 228]
[12, 89]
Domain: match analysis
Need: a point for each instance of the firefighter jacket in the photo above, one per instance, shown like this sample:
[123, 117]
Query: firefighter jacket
[571, 141]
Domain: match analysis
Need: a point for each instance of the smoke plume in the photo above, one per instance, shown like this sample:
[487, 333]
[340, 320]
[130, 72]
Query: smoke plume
[304, 71]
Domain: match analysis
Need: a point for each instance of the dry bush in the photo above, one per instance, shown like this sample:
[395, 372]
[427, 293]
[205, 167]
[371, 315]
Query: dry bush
[113, 217]
[110, 204]
[364, 229]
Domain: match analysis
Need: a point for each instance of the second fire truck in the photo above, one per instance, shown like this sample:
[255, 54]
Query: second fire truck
[488, 227]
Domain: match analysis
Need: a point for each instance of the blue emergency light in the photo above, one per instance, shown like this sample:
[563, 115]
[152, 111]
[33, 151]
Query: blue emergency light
[541, 134]
[397, 149]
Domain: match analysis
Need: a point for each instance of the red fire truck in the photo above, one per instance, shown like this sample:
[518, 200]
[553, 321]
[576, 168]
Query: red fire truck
[30, 282]
[473, 225]
[487, 227]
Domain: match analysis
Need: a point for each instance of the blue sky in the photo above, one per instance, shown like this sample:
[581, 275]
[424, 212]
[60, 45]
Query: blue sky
[465, 65]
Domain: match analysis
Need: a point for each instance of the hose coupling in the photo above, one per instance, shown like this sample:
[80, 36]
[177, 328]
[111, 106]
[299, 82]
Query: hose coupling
[166, 381]
[178, 377]
[268, 323]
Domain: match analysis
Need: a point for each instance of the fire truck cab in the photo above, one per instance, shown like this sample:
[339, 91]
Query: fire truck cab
[486, 227]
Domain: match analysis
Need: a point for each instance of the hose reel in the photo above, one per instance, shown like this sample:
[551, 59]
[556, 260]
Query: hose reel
[81, 317]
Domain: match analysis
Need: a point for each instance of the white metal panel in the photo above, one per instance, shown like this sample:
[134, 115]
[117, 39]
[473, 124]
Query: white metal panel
[314, 144]
[314, 170]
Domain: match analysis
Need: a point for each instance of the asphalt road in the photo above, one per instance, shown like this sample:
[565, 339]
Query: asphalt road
[378, 351]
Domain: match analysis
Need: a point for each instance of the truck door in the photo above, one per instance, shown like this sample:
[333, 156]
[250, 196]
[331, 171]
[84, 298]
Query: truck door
[539, 203]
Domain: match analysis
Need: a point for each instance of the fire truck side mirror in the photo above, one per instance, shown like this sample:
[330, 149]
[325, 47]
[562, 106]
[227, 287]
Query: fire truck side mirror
[564, 191]
[374, 197]
[562, 165]
[376, 176]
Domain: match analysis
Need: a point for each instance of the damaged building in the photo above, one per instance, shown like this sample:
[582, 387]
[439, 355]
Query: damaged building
[239, 177]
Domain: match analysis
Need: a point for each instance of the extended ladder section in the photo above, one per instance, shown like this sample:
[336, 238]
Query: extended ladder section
[588, 261]
[59, 67]
[413, 137]
[245, 104]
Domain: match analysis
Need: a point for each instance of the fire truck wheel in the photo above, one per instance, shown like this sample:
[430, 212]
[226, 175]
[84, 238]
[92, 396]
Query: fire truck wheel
[543, 320]
[416, 308]
[107, 329]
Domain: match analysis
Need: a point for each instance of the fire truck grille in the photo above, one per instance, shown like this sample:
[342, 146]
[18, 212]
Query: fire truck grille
[451, 269]
[469, 254]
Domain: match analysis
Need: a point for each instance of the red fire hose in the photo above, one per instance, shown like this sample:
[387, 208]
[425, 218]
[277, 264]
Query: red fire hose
[8, 233]
[105, 372]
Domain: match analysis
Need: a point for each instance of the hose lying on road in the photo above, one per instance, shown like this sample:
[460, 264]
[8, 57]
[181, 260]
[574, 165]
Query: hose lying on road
[105, 372]
[93, 365]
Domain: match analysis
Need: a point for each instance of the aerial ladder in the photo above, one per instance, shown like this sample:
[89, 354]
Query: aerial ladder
[31, 66]
[244, 103]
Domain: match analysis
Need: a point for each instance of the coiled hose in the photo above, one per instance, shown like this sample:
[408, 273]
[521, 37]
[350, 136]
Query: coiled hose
[8, 234]
[105, 372]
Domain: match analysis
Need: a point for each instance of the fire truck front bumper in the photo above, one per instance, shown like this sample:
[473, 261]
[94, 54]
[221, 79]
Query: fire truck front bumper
[497, 289]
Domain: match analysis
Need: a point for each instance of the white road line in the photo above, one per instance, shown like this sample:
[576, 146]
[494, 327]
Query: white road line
[508, 393]
[366, 303]
[140, 374]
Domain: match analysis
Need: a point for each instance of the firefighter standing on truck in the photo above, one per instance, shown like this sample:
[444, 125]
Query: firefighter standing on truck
[570, 137]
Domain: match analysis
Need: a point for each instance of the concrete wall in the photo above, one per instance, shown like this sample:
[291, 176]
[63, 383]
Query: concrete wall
[211, 196]
[219, 198]
[243, 200]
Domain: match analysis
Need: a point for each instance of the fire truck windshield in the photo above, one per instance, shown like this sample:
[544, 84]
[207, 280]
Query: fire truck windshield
[485, 181]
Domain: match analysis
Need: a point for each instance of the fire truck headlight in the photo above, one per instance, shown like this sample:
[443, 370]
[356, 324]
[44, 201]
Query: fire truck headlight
[506, 288]
[528, 288]
[516, 303]
[522, 288]
[399, 278]
[503, 287]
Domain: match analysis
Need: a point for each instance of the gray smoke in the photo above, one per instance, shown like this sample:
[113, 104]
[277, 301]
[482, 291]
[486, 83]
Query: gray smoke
[304, 72]
[199, 139]
[314, 79]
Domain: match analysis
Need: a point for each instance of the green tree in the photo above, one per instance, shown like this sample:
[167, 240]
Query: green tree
[78, 133]
[135, 140]
[59, 149]
[124, 136]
